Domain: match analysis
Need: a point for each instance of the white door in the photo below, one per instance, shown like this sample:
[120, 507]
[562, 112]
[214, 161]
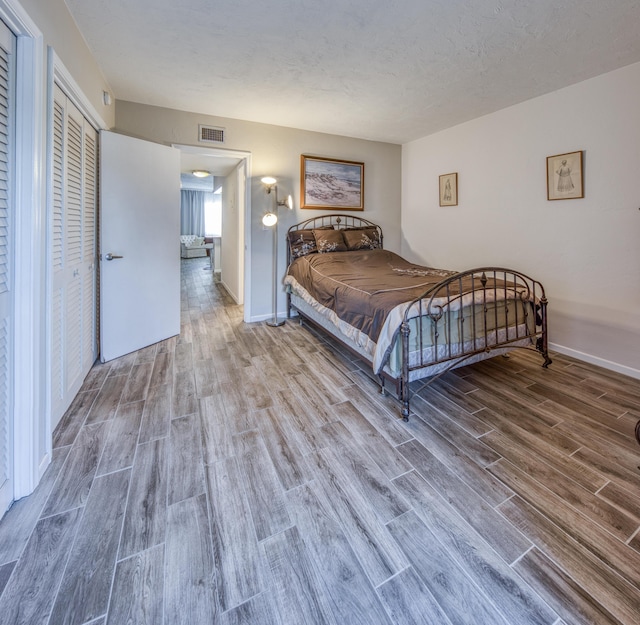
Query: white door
[7, 78]
[139, 244]
[72, 252]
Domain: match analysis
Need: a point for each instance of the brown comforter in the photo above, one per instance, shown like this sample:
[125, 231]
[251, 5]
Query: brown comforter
[362, 287]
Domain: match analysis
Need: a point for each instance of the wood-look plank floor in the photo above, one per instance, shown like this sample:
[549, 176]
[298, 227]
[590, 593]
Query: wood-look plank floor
[242, 474]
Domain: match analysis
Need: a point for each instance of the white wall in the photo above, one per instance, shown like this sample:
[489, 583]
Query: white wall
[275, 151]
[586, 252]
[230, 235]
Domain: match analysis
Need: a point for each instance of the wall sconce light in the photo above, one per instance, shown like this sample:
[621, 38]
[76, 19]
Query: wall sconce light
[270, 220]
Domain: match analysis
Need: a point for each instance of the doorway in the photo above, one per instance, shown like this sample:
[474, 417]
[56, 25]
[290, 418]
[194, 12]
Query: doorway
[230, 168]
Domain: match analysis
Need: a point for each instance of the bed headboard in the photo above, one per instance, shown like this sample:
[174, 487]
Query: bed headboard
[339, 222]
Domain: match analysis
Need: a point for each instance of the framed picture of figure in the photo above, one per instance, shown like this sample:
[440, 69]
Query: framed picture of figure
[449, 189]
[565, 176]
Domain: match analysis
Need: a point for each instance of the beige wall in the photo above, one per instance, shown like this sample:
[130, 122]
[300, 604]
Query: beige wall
[585, 251]
[276, 151]
[61, 33]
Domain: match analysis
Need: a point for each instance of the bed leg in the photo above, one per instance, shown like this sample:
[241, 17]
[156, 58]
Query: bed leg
[404, 380]
[405, 411]
[540, 346]
[542, 343]
[383, 390]
[403, 396]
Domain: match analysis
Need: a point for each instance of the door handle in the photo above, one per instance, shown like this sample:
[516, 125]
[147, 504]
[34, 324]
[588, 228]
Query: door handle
[111, 256]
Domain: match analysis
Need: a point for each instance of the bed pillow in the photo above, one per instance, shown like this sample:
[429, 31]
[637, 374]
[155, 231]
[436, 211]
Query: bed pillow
[329, 241]
[361, 238]
[302, 242]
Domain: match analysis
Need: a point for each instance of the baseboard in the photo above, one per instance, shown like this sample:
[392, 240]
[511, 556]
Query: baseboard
[231, 294]
[44, 463]
[268, 317]
[595, 360]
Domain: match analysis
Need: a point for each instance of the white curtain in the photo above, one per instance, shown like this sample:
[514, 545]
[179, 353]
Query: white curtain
[192, 212]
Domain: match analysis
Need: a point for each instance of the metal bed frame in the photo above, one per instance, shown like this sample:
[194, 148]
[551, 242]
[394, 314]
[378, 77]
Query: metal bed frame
[489, 284]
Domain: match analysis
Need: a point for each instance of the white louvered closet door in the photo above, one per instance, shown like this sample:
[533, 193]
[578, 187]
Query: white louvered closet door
[7, 92]
[73, 252]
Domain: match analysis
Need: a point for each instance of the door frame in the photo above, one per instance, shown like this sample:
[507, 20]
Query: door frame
[30, 455]
[245, 213]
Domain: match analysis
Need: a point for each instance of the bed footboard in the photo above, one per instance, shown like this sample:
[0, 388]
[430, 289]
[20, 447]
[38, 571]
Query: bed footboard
[471, 313]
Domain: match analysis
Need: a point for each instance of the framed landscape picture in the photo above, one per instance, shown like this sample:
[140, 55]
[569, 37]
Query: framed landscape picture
[449, 189]
[329, 183]
[564, 176]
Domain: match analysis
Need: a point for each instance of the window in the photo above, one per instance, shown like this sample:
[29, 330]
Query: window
[213, 214]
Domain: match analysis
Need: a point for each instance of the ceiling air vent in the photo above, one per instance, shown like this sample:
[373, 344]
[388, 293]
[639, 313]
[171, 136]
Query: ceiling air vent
[211, 134]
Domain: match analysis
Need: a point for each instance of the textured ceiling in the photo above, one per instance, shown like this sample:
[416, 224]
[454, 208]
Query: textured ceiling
[387, 70]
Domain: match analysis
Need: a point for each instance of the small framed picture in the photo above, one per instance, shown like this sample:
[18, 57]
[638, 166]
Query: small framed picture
[449, 189]
[564, 176]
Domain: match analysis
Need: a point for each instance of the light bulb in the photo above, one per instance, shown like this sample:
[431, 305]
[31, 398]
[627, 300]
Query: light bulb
[270, 219]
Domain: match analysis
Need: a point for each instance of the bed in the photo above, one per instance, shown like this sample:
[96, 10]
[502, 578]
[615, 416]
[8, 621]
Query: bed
[411, 323]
